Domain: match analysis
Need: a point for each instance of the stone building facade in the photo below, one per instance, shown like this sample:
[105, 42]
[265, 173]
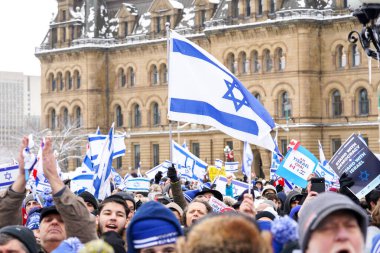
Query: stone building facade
[106, 61]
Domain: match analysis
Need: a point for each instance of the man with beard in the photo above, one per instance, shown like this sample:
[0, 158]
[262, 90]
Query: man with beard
[113, 213]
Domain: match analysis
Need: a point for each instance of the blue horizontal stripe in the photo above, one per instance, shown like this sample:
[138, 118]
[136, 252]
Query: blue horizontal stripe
[119, 152]
[198, 163]
[137, 189]
[15, 167]
[6, 184]
[97, 138]
[83, 177]
[202, 108]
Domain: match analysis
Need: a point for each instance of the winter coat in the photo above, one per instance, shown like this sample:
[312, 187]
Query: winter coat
[10, 207]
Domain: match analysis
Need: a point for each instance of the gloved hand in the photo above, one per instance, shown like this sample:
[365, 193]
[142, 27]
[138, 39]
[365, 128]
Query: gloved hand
[345, 182]
[157, 177]
[172, 174]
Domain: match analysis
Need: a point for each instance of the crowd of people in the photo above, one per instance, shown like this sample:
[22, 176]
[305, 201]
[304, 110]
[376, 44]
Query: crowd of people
[175, 217]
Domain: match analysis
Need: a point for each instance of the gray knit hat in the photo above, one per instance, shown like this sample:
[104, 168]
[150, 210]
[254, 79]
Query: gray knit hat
[315, 211]
[28, 198]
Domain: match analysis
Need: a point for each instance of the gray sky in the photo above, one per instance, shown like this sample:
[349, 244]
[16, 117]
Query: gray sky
[23, 26]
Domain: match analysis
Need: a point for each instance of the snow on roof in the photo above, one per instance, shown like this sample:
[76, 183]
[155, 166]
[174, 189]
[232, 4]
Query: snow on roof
[187, 18]
[214, 1]
[132, 9]
[144, 23]
[175, 4]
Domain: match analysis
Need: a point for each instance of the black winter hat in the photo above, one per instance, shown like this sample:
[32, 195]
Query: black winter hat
[88, 197]
[127, 196]
[115, 240]
[48, 210]
[22, 234]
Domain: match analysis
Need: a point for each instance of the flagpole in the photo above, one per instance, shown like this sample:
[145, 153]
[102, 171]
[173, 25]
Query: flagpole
[167, 26]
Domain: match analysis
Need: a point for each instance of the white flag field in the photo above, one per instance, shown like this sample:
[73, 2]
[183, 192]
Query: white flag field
[203, 91]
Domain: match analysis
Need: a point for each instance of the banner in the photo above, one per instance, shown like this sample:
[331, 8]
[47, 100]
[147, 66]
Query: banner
[138, 184]
[237, 186]
[231, 167]
[297, 165]
[355, 159]
[214, 172]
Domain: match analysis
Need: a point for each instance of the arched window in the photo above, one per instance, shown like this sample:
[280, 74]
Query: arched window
[156, 114]
[280, 59]
[286, 110]
[163, 73]
[52, 119]
[60, 81]
[77, 79]
[231, 62]
[131, 77]
[119, 116]
[268, 61]
[69, 80]
[363, 102]
[65, 117]
[78, 117]
[137, 115]
[341, 57]
[255, 61]
[355, 55]
[243, 63]
[53, 82]
[122, 78]
[257, 96]
[154, 75]
[336, 103]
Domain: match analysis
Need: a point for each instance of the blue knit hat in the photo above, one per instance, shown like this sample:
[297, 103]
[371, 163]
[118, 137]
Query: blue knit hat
[33, 220]
[152, 225]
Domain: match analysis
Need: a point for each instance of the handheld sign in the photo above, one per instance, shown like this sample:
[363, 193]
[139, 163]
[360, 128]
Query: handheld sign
[355, 158]
[297, 165]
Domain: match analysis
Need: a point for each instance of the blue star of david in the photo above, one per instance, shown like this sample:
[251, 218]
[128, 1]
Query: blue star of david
[8, 176]
[363, 175]
[230, 95]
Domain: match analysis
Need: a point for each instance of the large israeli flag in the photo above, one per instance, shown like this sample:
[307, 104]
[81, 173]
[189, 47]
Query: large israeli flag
[189, 166]
[8, 174]
[203, 91]
[102, 171]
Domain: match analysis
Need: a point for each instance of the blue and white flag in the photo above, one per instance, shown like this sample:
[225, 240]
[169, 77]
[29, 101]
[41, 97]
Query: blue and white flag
[232, 167]
[324, 170]
[163, 167]
[96, 143]
[102, 170]
[8, 174]
[138, 184]
[82, 180]
[274, 166]
[237, 186]
[203, 91]
[189, 166]
[218, 163]
[247, 159]
[117, 179]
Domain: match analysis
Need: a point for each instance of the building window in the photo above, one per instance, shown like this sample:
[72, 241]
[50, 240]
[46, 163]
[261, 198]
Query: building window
[231, 62]
[243, 63]
[137, 115]
[154, 75]
[255, 61]
[195, 148]
[53, 120]
[122, 78]
[259, 7]
[63, 34]
[345, 4]
[60, 80]
[202, 18]
[235, 8]
[336, 104]
[119, 162]
[280, 59]
[341, 57]
[272, 7]
[63, 15]
[158, 24]
[65, 118]
[53, 83]
[230, 144]
[355, 55]
[164, 73]
[77, 79]
[78, 117]
[78, 154]
[363, 102]
[156, 114]
[257, 96]
[247, 8]
[335, 145]
[156, 154]
[119, 116]
[286, 111]
[136, 155]
[131, 76]
[268, 61]
[69, 81]
[284, 146]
